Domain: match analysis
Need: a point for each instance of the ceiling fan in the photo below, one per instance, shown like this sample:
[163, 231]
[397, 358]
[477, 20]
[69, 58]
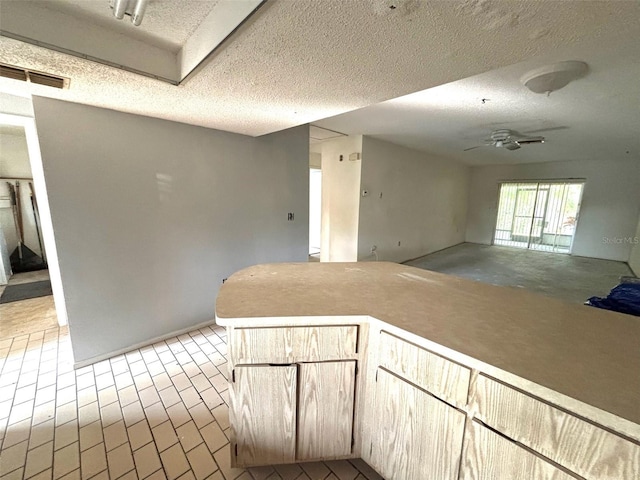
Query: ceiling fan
[509, 139]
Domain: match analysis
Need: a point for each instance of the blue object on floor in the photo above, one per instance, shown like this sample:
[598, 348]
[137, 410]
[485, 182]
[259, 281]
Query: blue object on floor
[624, 298]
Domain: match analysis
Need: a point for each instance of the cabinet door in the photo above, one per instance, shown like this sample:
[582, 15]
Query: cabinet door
[489, 455]
[263, 415]
[416, 436]
[325, 409]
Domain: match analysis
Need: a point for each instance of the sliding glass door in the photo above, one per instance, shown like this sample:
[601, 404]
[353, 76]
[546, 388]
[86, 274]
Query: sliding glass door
[538, 216]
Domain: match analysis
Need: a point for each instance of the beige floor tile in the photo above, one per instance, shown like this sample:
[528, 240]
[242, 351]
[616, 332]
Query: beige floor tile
[223, 459]
[178, 414]
[16, 433]
[315, 470]
[201, 415]
[128, 395]
[342, 469]
[219, 382]
[14, 475]
[139, 435]
[13, 457]
[157, 475]
[88, 414]
[123, 380]
[221, 414]
[164, 435]
[120, 461]
[24, 394]
[211, 398]
[94, 461]
[39, 459]
[66, 434]
[115, 435]
[288, 472]
[148, 396]
[201, 382]
[110, 414]
[41, 433]
[190, 397]
[142, 381]
[261, 473]
[174, 461]
[66, 460]
[133, 413]
[87, 396]
[217, 476]
[156, 414]
[91, 435]
[67, 412]
[181, 381]
[169, 396]
[147, 460]
[65, 395]
[202, 462]
[364, 468]
[189, 436]
[191, 369]
[107, 395]
[213, 437]
[21, 412]
[44, 475]
[161, 381]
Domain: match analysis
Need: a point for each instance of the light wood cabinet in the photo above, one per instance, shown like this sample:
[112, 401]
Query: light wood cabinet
[293, 344]
[577, 444]
[417, 436]
[325, 409]
[438, 375]
[263, 414]
[292, 393]
[488, 455]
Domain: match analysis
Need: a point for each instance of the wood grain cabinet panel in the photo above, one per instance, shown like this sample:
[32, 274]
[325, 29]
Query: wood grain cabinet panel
[578, 445]
[293, 344]
[487, 455]
[263, 415]
[325, 409]
[446, 379]
[417, 437]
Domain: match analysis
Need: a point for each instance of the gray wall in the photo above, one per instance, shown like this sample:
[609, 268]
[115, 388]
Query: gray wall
[608, 214]
[151, 215]
[413, 198]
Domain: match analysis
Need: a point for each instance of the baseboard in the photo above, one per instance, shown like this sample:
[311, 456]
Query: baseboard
[135, 346]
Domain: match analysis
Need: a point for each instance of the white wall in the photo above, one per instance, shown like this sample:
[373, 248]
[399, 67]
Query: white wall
[609, 210]
[634, 258]
[340, 199]
[151, 215]
[413, 198]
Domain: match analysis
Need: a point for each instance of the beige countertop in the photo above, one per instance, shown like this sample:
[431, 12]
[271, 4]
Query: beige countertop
[588, 354]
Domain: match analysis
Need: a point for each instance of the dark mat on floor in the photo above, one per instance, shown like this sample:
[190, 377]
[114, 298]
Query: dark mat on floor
[24, 291]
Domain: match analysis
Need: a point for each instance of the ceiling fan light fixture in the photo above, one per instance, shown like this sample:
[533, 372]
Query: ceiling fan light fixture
[134, 8]
[550, 78]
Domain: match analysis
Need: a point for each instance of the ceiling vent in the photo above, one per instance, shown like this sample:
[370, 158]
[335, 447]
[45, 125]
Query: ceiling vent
[24, 75]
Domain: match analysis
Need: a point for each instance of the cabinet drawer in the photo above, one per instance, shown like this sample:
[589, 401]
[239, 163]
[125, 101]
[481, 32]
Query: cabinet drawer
[293, 344]
[489, 455]
[432, 372]
[578, 445]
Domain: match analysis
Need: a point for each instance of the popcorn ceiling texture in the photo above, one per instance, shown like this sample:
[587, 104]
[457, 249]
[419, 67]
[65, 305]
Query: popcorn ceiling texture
[299, 61]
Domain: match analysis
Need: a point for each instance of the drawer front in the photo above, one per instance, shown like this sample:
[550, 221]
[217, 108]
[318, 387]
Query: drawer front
[580, 446]
[293, 344]
[489, 455]
[432, 372]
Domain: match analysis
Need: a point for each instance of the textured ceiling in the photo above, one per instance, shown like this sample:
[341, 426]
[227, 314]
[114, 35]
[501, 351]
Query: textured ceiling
[295, 62]
[593, 118]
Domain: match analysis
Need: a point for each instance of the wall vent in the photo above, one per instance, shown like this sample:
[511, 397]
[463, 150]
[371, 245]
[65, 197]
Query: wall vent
[24, 75]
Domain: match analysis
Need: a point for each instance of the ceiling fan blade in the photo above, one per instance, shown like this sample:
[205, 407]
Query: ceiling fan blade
[473, 148]
[526, 141]
[550, 129]
[512, 146]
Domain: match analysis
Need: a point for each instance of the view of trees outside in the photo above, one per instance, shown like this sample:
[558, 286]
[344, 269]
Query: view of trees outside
[540, 216]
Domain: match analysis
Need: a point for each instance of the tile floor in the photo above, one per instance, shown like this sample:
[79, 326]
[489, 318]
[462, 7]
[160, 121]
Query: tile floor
[157, 412]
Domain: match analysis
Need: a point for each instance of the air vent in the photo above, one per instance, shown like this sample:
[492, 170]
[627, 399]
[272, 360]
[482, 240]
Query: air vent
[24, 75]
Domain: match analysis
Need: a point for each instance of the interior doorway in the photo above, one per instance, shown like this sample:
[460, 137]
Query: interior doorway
[315, 211]
[538, 215]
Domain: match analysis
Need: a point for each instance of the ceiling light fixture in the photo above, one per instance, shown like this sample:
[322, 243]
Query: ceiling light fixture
[134, 8]
[550, 78]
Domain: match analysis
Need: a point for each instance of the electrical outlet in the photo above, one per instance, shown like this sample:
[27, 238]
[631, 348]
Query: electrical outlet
[290, 216]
